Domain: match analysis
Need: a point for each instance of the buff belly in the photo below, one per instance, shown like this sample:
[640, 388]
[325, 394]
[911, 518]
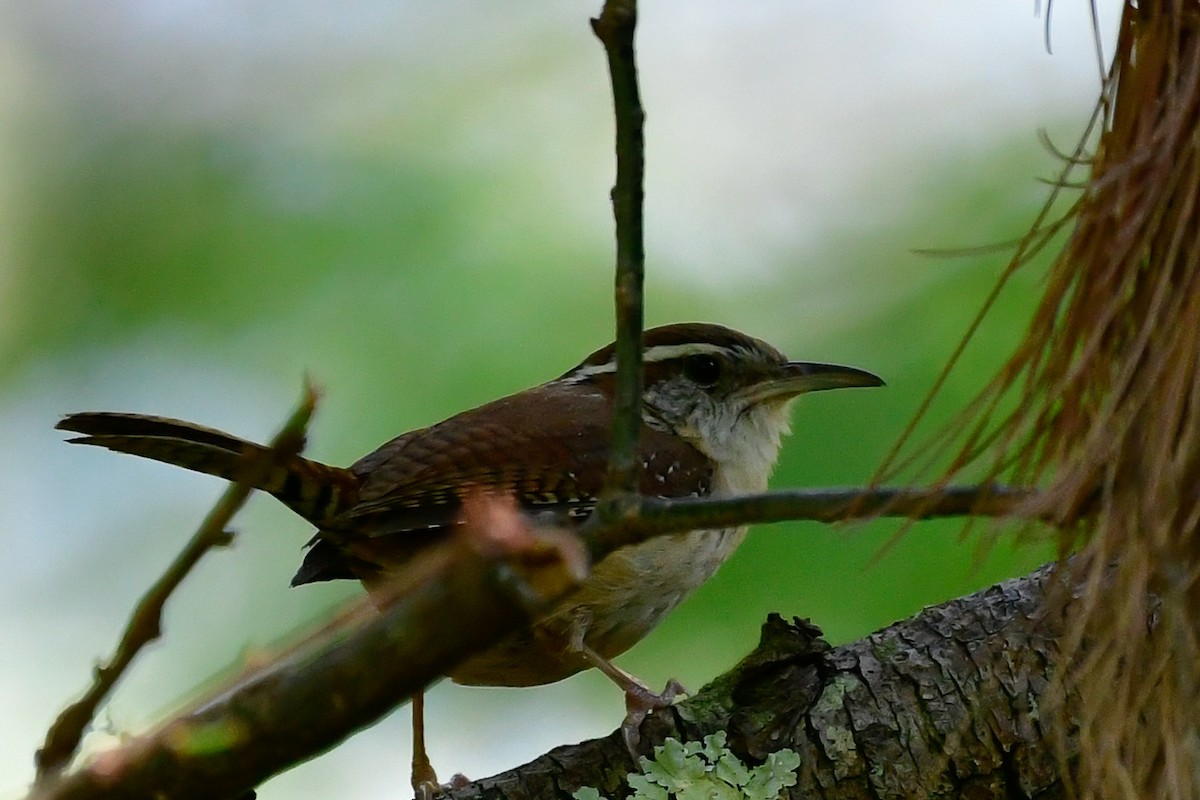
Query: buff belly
[626, 596]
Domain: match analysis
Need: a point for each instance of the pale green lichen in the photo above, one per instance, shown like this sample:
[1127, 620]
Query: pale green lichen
[834, 695]
[829, 713]
[706, 771]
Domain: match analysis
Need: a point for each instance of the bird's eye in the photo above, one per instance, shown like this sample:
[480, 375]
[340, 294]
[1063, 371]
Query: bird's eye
[704, 370]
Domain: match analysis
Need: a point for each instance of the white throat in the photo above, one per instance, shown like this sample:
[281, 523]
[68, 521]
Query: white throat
[744, 447]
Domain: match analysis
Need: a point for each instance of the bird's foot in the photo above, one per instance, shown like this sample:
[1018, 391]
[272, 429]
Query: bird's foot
[639, 699]
[639, 702]
[429, 789]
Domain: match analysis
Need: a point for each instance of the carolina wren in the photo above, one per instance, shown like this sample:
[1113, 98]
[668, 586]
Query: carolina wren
[714, 410]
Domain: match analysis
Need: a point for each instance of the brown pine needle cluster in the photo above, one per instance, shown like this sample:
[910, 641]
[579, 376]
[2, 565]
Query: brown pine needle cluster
[1107, 417]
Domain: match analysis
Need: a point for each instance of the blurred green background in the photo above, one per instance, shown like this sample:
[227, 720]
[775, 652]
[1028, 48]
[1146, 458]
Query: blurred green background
[202, 202]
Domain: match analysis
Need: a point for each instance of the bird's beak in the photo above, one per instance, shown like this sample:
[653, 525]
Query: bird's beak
[800, 377]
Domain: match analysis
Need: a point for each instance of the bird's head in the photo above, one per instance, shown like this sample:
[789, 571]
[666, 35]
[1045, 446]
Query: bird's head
[724, 392]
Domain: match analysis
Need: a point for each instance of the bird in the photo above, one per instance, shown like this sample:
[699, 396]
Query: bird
[715, 408]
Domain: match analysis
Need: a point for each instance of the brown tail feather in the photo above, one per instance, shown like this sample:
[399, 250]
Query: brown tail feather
[313, 490]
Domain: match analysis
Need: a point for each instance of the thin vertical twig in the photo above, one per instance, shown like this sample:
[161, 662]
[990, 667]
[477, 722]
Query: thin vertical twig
[615, 29]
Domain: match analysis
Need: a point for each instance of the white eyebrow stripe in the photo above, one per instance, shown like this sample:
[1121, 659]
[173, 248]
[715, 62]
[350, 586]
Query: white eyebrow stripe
[666, 352]
[662, 352]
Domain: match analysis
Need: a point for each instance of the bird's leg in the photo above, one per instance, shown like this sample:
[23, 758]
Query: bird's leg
[424, 779]
[640, 700]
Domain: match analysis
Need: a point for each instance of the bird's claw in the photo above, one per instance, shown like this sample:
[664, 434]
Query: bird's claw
[639, 702]
[431, 789]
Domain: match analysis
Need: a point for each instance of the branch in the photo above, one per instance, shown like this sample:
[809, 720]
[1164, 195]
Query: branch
[492, 578]
[948, 703]
[653, 516]
[615, 29]
[490, 581]
[145, 624]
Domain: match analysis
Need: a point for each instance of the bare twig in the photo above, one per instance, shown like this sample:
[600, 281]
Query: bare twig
[145, 624]
[658, 516]
[615, 28]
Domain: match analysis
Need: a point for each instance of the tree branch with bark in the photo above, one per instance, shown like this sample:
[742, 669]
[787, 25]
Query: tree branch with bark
[949, 703]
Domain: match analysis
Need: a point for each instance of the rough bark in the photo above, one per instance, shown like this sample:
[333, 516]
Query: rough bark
[949, 703]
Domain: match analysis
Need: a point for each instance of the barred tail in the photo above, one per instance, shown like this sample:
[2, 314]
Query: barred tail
[313, 490]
